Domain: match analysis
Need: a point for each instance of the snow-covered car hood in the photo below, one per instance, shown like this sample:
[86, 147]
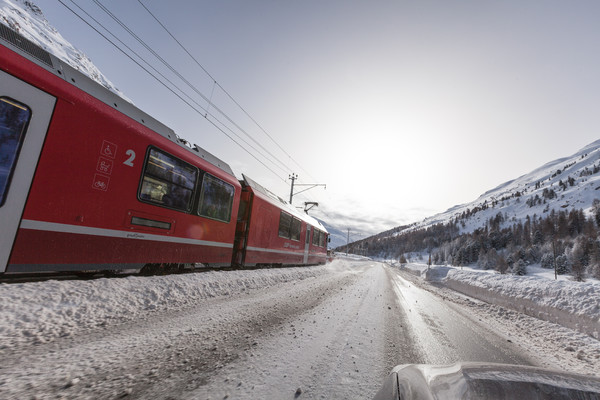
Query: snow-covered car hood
[485, 381]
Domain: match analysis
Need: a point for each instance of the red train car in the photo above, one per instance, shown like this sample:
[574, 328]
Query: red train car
[273, 232]
[89, 182]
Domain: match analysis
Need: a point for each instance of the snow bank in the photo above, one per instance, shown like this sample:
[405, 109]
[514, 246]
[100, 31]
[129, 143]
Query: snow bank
[415, 269]
[350, 256]
[575, 305]
[42, 311]
[572, 304]
[433, 273]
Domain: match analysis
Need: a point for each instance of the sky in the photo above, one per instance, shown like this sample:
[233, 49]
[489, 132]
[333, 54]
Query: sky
[402, 108]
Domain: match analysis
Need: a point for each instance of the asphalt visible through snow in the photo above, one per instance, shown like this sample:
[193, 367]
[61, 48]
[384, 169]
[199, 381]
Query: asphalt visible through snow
[334, 336]
[446, 333]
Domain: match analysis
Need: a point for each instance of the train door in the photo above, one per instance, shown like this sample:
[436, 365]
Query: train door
[240, 242]
[25, 113]
[307, 244]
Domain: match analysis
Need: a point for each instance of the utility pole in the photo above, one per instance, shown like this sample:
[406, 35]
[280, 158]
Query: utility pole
[293, 177]
[554, 232]
[554, 257]
[348, 242]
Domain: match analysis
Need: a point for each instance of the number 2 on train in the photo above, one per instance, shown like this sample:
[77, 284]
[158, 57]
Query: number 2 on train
[129, 161]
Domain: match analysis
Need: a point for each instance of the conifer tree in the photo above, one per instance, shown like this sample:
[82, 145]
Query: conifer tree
[519, 268]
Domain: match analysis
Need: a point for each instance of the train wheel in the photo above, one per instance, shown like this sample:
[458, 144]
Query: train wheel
[150, 269]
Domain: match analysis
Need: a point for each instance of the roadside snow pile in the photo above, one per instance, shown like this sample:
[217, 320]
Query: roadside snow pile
[42, 311]
[572, 304]
[352, 257]
[415, 269]
[433, 273]
[575, 305]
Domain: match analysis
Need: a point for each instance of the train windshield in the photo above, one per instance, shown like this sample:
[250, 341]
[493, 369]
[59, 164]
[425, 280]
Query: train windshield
[13, 122]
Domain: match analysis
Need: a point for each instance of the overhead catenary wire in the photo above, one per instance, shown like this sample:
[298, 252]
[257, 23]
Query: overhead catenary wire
[137, 55]
[221, 87]
[170, 67]
[215, 121]
[194, 88]
[205, 116]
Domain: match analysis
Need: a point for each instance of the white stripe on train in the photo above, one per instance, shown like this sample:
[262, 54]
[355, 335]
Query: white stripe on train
[87, 230]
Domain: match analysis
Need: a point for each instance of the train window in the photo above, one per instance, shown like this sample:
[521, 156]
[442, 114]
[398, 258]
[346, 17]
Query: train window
[295, 229]
[315, 240]
[13, 123]
[216, 199]
[285, 222]
[319, 238]
[167, 181]
[289, 227]
[323, 239]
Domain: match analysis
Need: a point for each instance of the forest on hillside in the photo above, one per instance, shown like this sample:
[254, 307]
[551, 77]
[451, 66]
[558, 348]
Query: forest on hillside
[567, 242]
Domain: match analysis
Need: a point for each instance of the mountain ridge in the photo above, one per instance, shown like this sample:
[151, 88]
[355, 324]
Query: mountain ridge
[574, 180]
[27, 19]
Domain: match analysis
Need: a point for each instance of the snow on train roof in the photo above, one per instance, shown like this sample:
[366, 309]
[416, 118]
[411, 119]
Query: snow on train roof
[281, 203]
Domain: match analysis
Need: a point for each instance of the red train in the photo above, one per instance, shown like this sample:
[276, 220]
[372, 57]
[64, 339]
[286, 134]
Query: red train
[88, 182]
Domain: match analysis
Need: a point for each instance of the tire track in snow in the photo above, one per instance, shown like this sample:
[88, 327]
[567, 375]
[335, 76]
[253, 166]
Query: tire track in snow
[342, 348]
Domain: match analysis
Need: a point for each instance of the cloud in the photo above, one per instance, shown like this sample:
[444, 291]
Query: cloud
[367, 222]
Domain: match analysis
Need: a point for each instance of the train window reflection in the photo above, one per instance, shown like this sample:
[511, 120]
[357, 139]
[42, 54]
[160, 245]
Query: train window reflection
[295, 229]
[319, 238]
[315, 239]
[216, 199]
[167, 181]
[13, 123]
[285, 221]
[289, 227]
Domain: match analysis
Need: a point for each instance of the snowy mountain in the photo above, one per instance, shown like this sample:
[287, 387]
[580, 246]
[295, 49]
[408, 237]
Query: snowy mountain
[338, 237]
[564, 184]
[26, 18]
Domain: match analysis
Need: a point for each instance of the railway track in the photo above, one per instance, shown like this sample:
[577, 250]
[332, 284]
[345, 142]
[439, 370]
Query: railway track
[65, 276]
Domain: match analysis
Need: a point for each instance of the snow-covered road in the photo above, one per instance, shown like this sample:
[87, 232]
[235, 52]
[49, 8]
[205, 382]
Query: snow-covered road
[326, 332]
[341, 343]
[444, 333]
